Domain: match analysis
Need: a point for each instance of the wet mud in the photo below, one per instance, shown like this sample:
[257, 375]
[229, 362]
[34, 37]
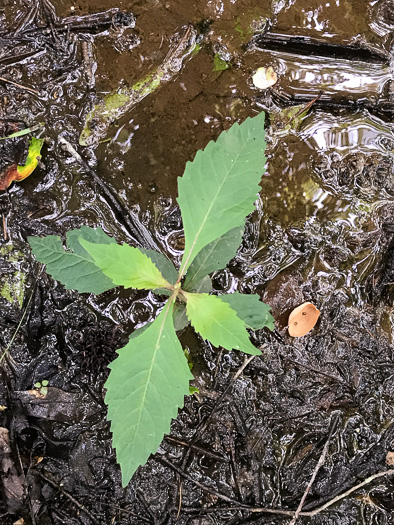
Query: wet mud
[323, 231]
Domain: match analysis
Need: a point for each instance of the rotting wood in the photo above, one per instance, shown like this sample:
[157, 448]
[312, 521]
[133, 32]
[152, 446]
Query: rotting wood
[122, 100]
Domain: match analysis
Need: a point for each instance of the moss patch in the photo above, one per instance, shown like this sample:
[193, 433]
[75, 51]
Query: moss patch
[12, 285]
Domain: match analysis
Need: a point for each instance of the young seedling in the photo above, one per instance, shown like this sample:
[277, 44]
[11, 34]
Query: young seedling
[42, 387]
[150, 377]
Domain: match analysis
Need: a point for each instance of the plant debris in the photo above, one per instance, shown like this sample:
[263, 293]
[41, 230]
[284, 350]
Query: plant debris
[18, 173]
[264, 78]
[302, 319]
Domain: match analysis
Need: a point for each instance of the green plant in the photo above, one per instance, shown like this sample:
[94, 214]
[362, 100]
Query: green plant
[42, 387]
[150, 377]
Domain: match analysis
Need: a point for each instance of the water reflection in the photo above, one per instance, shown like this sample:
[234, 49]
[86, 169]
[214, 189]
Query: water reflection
[321, 204]
[346, 132]
[340, 21]
[309, 74]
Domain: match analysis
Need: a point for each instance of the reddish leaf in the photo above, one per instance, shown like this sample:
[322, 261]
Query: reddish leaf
[15, 172]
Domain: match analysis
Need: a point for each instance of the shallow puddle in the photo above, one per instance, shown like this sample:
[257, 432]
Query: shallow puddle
[322, 232]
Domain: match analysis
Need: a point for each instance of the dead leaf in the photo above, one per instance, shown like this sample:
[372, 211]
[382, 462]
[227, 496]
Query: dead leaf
[302, 319]
[264, 77]
[37, 394]
[37, 460]
[17, 173]
[13, 485]
[390, 459]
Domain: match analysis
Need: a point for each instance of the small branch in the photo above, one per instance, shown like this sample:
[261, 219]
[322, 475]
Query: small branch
[180, 499]
[197, 483]
[5, 228]
[267, 510]
[306, 107]
[20, 86]
[326, 505]
[121, 509]
[198, 449]
[348, 492]
[315, 370]
[130, 220]
[204, 425]
[70, 497]
[245, 364]
[8, 347]
[314, 474]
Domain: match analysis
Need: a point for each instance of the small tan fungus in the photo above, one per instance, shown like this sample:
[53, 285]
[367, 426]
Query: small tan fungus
[302, 319]
[390, 459]
[264, 77]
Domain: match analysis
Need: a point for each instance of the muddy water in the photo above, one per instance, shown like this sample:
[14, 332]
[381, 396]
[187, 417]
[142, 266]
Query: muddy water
[322, 232]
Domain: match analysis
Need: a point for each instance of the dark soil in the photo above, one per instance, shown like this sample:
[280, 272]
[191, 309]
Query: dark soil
[323, 231]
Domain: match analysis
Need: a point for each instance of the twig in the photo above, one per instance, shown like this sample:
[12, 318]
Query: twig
[240, 507]
[125, 511]
[93, 22]
[7, 349]
[204, 425]
[138, 231]
[17, 59]
[267, 510]
[233, 465]
[5, 228]
[70, 497]
[195, 482]
[314, 474]
[305, 45]
[236, 376]
[232, 380]
[332, 501]
[307, 106]
[20, 86]
[348, 492]
[180, 499]
[198, 449]
[316, 371]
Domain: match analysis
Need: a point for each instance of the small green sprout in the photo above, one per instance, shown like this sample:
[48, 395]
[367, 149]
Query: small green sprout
[42, 387]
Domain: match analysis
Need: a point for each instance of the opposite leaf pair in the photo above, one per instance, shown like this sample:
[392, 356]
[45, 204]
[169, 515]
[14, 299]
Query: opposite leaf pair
[150, 378]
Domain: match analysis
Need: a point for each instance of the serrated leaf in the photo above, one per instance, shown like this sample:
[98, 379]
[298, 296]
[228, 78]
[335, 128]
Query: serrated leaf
[180, 317]
[95, 235]
[146, 386]
[250, 309]
[126, 266]
[75, 271]
[162, 291]
[214, 320]
[214, 257]
[220, 186]
[140, 330]
[164, 264]
[204, 285]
